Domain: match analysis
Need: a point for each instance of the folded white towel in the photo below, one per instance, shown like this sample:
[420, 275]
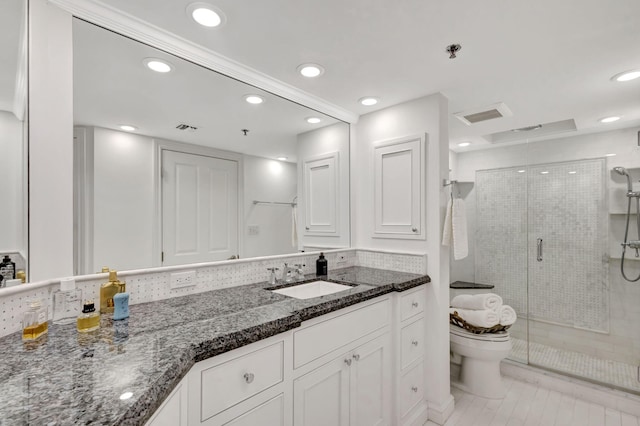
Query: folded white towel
[507, 315]
[477, 301]
[459, 230]
[446, 232]
[486, 318]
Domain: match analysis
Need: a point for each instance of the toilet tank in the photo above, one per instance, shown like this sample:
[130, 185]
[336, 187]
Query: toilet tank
[464, 287]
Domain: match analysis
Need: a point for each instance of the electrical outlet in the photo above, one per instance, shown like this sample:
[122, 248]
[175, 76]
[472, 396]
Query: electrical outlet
[254, 229]
[183, 279]
[341, 259]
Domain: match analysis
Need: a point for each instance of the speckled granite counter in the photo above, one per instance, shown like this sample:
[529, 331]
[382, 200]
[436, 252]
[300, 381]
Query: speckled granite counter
[67, 378]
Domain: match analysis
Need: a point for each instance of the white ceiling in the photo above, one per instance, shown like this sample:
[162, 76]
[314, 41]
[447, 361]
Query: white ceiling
[548, 60]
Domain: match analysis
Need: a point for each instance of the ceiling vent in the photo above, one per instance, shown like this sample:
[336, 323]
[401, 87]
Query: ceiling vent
[478, 115]
[183, 126]
[538, 131]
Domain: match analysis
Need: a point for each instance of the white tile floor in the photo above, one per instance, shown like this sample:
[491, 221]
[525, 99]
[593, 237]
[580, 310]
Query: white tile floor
[580, 365]
[528, 405]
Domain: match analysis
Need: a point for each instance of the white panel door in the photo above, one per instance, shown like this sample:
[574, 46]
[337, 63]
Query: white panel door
[271, 413]
[199, 208]
[399, 187]
[321, 194]
[321, 397]
[371, 383]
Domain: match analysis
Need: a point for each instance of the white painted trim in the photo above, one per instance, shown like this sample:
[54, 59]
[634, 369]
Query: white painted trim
[20, 92]
[439, 413]
[120, 22]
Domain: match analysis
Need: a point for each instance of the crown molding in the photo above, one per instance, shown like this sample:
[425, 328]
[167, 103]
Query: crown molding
[120, 22]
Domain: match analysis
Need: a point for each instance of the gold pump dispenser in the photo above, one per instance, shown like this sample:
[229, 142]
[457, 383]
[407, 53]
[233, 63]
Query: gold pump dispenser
[108, 290]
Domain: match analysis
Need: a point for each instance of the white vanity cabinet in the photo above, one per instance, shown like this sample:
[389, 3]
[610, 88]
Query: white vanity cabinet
[173, 411]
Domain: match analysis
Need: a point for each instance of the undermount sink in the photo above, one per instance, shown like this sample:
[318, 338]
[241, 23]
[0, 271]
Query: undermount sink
[312, 289]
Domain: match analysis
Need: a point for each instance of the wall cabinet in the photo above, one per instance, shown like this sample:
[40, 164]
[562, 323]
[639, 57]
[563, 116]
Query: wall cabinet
[321, 194]
[399, 185]
[352, 389]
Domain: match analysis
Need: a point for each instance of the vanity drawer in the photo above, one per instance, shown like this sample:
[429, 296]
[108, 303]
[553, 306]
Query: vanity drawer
[411, 342]
[411, 389]
[411, 303]
[227, 384]
[324, 337]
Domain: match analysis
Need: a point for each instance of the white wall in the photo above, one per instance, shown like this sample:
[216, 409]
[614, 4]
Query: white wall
[50, 142]
[268, 180]
[334, 138]
[12, 190]
[424, 115]
[124, 197]
[618, 344]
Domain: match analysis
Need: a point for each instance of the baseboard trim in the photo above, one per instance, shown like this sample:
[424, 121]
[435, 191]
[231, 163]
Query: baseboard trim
[580, 389]
[439, 413]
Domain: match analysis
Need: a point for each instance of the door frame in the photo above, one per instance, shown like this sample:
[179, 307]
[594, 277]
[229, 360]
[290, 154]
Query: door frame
[161, 145]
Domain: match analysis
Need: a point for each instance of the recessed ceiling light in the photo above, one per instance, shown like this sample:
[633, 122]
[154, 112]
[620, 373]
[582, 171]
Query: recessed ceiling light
[206, 14]
[313, 120]
[463, 144]
[254, 99]
[521, 171]
[311, 70]
[368, 101]
[572, 173]
[626, 76]
[609, 119]
[544, 173]
[610, 155]
[158, 65]
[128, 128]
[282, 158]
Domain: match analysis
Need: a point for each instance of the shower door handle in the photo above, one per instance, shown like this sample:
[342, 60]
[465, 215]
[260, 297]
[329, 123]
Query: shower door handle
[539, 243]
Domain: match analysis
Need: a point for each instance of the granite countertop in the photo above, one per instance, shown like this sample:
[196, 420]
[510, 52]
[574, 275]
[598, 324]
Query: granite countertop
[66, 377]
[465, 285]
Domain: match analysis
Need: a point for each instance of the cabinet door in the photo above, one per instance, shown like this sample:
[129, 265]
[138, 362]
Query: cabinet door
[321, 397]
[399, 175]
[173, 411]
[321, 195]
[371, 383]
[271, 413]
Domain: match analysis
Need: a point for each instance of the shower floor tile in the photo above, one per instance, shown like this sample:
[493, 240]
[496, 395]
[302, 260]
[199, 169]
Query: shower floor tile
[577, 364]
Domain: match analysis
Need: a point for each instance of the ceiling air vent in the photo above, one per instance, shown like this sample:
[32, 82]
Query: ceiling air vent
[537, 131]
[183, 126]
[479, 115]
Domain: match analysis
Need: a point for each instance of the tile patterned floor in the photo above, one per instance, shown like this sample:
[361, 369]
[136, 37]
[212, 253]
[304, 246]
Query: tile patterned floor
[606, 371]
[529, 405]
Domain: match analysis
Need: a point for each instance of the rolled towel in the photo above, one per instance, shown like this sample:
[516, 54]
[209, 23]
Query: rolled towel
[507, 315]
[477, 301]
[480, 318]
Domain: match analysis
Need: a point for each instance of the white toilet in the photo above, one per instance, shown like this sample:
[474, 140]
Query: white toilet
[479, 356]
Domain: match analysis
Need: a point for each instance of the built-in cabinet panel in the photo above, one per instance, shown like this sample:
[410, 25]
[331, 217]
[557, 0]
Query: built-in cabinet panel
[370, 388]
[321, 194]
[173, 411]
[270, 413]
[399, 182]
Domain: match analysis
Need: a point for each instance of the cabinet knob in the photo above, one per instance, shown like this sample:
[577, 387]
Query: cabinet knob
[306, 227]
[248, 377]
[348, 361]
[414, 342]
[356, 357]
[414, 304]
[414, 229]
[414, 388]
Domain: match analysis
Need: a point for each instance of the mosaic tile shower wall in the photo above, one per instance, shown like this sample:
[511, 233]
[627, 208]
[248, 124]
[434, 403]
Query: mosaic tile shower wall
[564, 205]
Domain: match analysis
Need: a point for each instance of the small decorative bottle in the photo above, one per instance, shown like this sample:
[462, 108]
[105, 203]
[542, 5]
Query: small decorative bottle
[89, 319]
[108, 290]
[121, 306]
[67, 302]
[7, 268]
[34, 322]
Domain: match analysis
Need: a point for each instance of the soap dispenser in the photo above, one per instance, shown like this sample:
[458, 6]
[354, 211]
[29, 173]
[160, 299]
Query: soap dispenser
[7, 268]
[321, 266]
[108, 290]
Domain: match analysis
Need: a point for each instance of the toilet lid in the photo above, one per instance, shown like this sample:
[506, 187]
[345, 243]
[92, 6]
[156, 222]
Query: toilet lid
[486, 337]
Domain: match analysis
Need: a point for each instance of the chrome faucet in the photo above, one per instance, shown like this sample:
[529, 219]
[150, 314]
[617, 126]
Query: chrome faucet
[272, 276]
[287, 274]
[299, 271]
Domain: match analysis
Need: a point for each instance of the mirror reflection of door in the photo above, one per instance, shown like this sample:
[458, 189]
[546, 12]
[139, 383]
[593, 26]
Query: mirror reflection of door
[199, 208]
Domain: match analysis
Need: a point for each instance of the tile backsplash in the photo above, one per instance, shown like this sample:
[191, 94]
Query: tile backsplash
[148, 285]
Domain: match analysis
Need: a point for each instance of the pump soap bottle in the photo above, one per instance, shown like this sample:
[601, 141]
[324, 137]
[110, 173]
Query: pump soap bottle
[67, 302]
[7, 268]
[108, 290]
[321, 265]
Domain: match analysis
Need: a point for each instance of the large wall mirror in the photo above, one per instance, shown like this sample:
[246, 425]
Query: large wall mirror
[13, 132]
[202, 174]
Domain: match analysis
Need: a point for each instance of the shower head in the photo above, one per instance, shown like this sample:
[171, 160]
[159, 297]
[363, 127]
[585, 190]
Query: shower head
[623, 172]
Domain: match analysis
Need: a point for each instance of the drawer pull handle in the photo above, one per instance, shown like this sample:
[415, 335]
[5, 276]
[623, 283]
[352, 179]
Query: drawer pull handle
[348, 361]
[414, 342]
[414, 229]
[356, 357]
[248, 377]
[414, 388]
[414, 304]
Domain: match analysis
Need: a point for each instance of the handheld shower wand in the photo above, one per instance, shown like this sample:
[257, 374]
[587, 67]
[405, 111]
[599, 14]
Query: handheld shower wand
[631, 244]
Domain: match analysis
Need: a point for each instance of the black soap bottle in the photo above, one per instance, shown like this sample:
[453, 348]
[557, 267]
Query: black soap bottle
[7, 268]
[321, 265]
